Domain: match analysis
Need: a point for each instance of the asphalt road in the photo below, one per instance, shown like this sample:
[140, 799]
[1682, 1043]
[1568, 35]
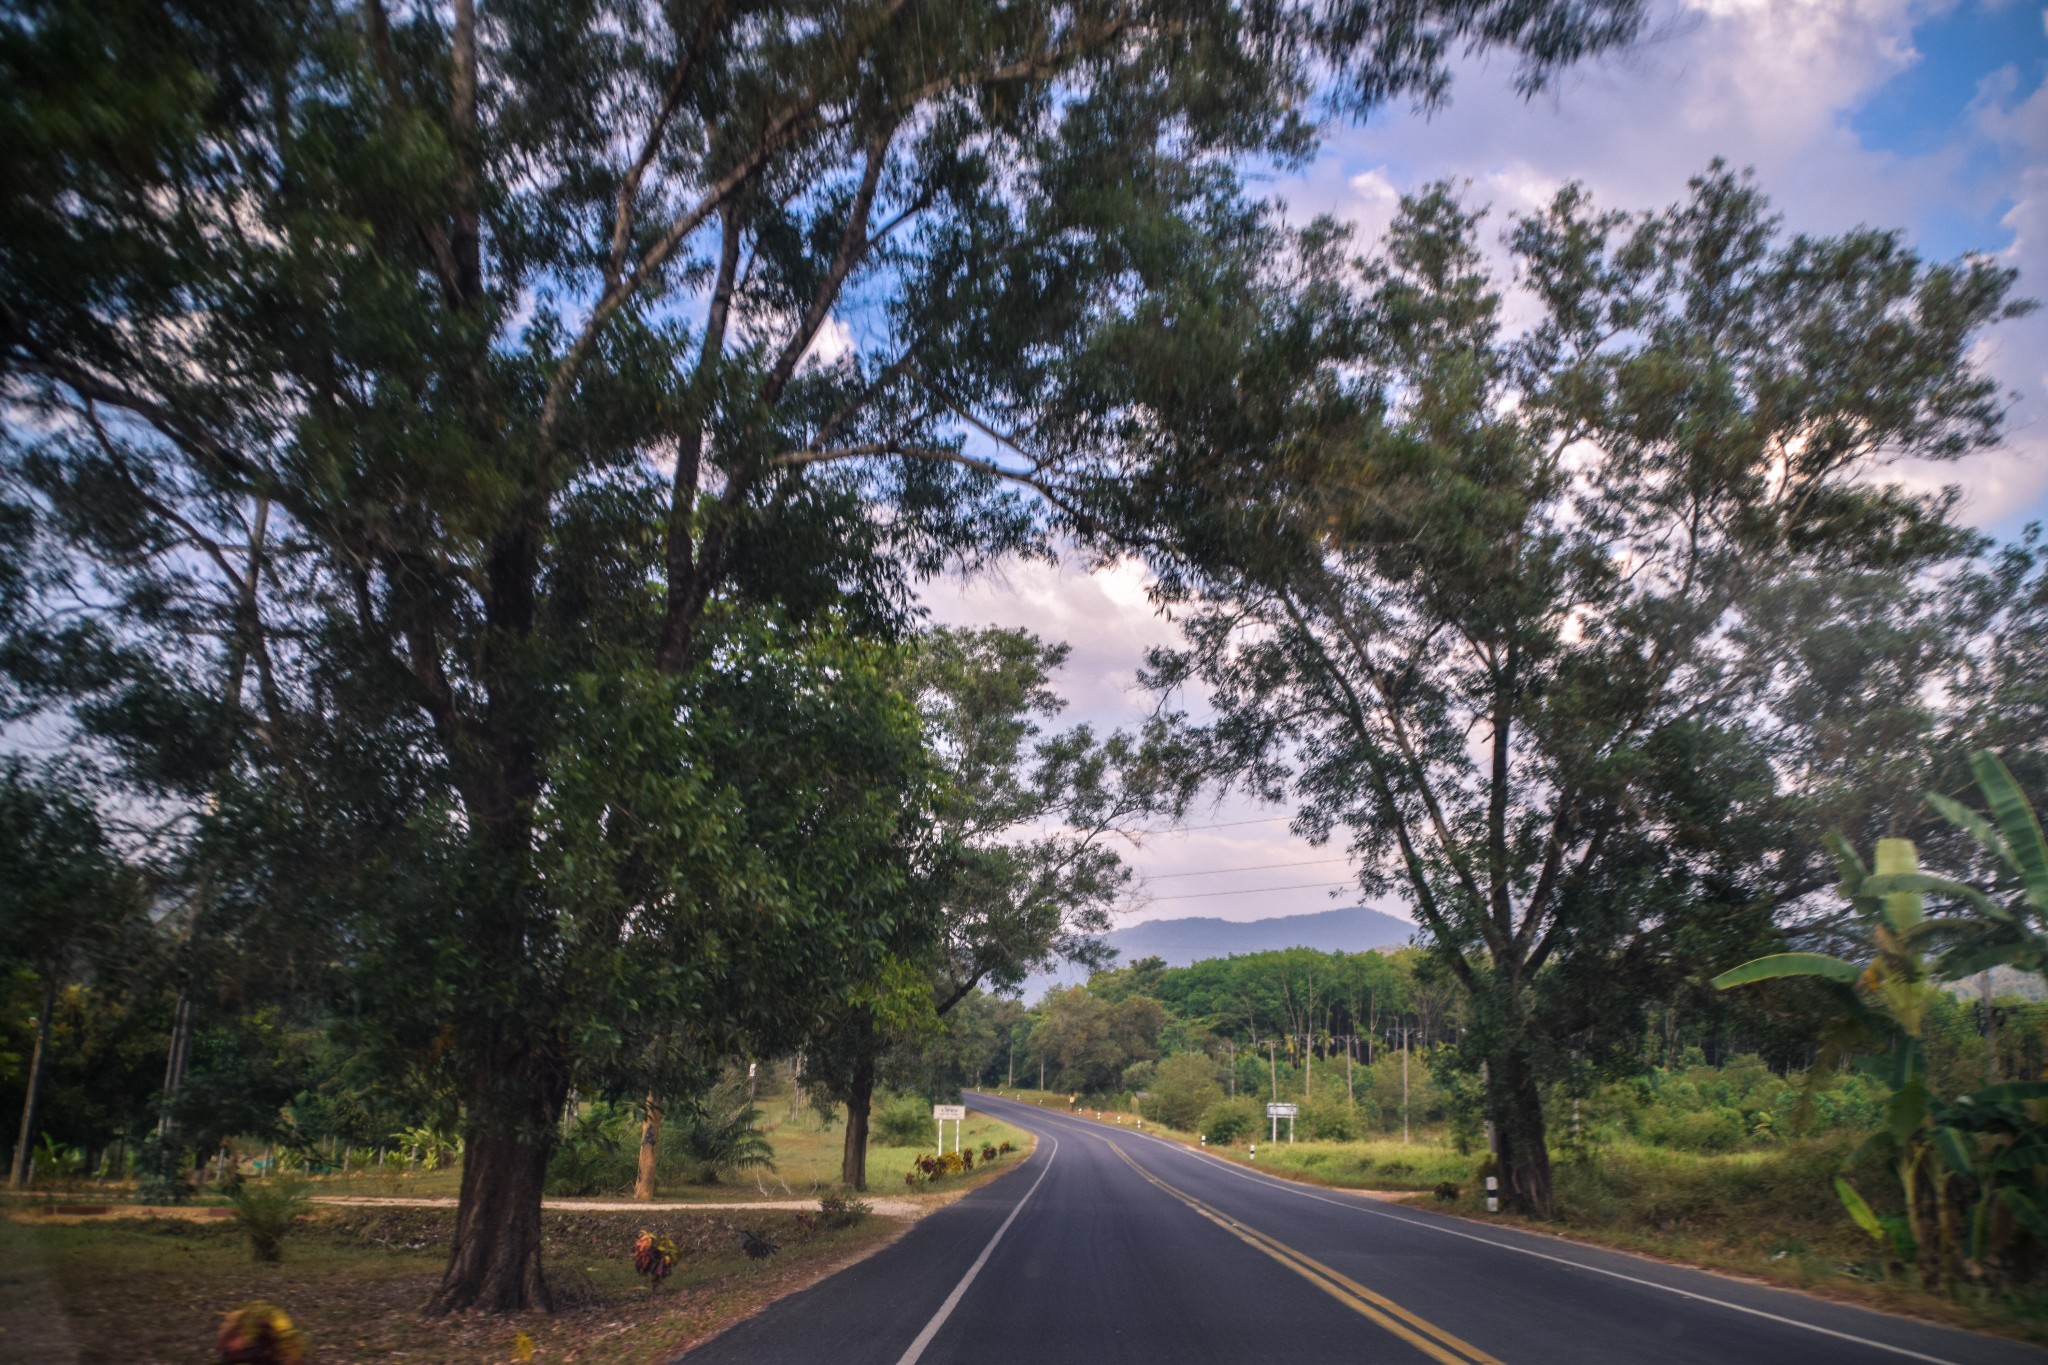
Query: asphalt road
[1110, 1246]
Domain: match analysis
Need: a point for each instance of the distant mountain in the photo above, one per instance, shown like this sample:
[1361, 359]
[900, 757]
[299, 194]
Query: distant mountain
[1182, 941]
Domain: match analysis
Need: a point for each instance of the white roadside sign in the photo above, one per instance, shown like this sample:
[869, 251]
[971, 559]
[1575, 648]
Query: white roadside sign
[949, 1111]
[1282, 1111]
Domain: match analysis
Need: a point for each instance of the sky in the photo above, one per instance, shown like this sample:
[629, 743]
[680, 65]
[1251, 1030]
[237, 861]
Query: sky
[1931, 118]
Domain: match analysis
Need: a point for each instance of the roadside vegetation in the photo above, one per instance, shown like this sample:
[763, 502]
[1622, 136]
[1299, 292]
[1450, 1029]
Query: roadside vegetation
[352, 1280]
[92, 1273]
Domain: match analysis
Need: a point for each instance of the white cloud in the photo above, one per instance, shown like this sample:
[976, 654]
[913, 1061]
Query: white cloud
[834, 339]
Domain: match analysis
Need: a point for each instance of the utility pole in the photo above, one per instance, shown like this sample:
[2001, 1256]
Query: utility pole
[1230, 1047]
[1012, 1085]
[1273, 1056]
[1041, 1073]
[1350, 1094]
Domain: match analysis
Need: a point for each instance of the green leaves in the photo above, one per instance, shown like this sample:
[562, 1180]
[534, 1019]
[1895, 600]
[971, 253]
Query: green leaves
[1777, 965]
[1859, 1210]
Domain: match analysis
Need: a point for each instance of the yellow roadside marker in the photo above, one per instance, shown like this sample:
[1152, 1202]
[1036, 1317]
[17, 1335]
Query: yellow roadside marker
[1425, 1336]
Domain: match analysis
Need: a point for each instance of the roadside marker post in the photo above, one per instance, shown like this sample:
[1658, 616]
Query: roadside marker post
[943, 1112]
[1492, 1194]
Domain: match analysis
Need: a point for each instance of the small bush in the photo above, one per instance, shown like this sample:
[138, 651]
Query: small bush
[1715, 1128]
[1183, 1089]
[988, 1151]
[905, 1121]
[929, 1167]
[598, 1155]
[1229, 1120]
[654, 1256]
[1327, 1122]
[266, 1211]
[841, 1211]
[715, 1137]
[160, 1175]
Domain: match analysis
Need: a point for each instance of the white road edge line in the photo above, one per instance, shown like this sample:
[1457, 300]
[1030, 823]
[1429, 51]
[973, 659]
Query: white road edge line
[1431, 1226]
[931, 1329]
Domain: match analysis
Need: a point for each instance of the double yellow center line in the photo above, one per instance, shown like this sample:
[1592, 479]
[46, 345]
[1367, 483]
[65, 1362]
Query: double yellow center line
[1423, 1335]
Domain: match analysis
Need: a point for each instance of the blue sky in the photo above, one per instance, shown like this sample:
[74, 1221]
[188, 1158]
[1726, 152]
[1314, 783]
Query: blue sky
[1927, 117]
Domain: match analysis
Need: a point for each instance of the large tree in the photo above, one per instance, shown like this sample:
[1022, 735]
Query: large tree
[501, 351]
[1580, 635]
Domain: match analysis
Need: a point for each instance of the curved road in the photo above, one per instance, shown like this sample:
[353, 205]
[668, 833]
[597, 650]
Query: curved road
[1109, 1245]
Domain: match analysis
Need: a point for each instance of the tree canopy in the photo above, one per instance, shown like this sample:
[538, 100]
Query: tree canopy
[1579, 635]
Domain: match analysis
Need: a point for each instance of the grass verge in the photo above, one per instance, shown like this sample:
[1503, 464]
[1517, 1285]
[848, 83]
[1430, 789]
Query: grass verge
[353, 1279]
[137, 1290]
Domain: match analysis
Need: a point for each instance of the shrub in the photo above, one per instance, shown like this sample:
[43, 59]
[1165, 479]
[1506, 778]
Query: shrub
[160, 1173]
[266, 1211]
[714, 1136]
[988, 1151]
[905, 1121]
[1229, 1120]
[1183, 1089]
[1327, 1122]
[429, 1147]
[654, 1256]
[598, 1155]
[929, 1167]
[1714, 1128]
[841, 1211]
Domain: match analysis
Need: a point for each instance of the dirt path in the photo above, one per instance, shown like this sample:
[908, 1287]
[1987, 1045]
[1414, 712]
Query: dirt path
[888, 1208]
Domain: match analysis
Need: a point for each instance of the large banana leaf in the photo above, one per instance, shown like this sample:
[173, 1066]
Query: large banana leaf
[2025, 1210]
[1954, 1151]
[2028, 850]
[1775, 965]
[1859, 1210]
[1889, 883]
[1968, 959]
[1980, 829]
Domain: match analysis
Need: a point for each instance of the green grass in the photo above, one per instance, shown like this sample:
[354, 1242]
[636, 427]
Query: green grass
[1377, 1165]
[807, 1159]
[807, 1156]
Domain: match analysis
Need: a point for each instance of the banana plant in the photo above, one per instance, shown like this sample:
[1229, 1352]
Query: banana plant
[2008, 929]
[1975, 1167]
[1886, 991]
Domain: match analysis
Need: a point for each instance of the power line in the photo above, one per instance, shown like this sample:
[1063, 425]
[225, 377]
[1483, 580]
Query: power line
[1225, 824]
[1250, 891]
[1255, 867]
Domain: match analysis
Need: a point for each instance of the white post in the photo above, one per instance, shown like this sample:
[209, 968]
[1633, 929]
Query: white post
[1492, 1195]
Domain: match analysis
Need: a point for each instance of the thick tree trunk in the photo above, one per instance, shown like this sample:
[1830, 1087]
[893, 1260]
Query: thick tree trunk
[1515, 1105]
[495, 1262]
[650, 1145]
[860, 1097]
[18, 1177]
